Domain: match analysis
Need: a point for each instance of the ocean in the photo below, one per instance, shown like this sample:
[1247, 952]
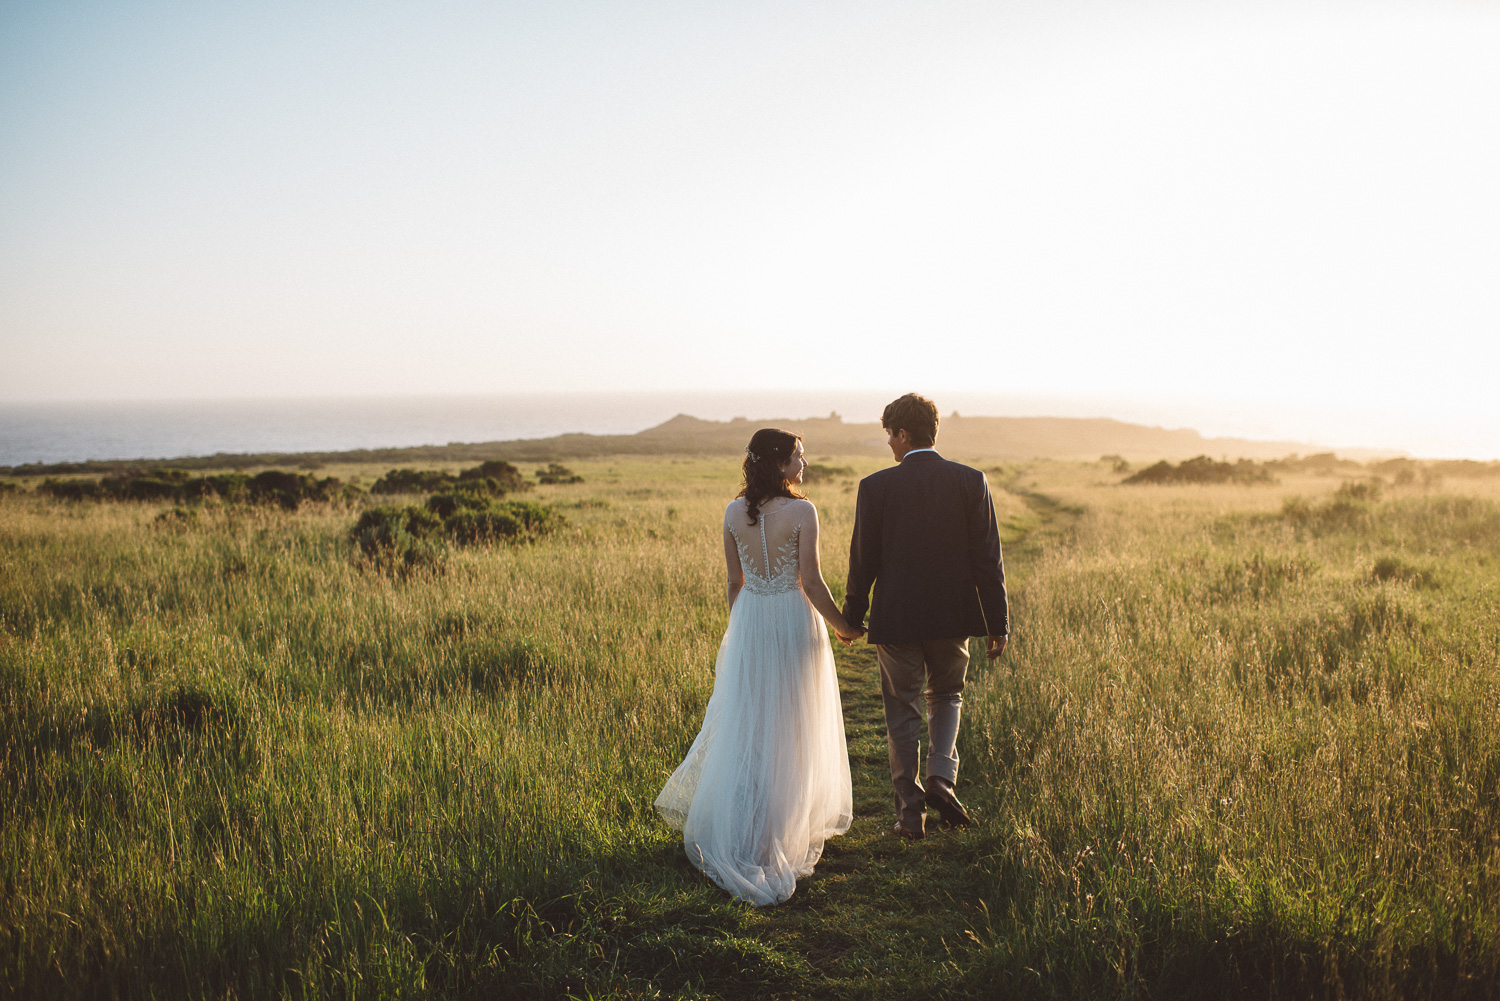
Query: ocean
[168, 429]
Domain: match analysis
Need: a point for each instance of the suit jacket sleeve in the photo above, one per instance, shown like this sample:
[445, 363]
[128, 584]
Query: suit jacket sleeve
[985, 561]
[864, 556]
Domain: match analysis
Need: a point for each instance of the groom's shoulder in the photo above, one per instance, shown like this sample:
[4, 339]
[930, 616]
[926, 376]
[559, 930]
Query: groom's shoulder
[974, 480]
[880, 477]
[936, 463]
[960, 469]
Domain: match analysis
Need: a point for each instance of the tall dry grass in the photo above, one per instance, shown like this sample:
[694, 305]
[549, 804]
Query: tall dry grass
[1231, 756]
[1241, 744]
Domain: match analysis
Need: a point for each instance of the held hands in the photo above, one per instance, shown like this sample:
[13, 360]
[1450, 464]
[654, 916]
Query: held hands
[846, 635]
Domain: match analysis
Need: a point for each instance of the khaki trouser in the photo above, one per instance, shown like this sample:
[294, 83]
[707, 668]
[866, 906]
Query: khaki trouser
[904, 667]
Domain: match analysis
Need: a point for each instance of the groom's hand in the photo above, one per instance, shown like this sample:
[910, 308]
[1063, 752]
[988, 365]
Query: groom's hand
[995, 648]
[848, 638]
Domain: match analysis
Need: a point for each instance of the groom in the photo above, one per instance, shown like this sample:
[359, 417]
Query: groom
[925, 536]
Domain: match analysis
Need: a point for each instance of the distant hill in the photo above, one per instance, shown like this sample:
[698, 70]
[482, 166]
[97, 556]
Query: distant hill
[1006, 438]
[998, 438]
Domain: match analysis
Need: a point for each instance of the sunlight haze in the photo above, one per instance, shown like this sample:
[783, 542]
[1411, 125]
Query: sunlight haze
[1266, 219]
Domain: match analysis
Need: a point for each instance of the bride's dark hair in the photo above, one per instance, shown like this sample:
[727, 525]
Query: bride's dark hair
[768, 451]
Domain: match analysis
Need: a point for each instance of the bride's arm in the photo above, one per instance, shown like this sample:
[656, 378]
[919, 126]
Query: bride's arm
[732, 568]
[813, 585]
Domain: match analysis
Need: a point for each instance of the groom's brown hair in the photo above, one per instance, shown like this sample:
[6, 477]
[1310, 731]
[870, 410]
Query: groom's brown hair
[914, 414]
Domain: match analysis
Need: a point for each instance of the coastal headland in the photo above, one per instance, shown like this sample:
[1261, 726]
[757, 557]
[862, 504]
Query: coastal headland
[1013, 439]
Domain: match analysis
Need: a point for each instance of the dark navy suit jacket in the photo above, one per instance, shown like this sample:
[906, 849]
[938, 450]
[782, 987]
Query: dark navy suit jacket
[925, 536]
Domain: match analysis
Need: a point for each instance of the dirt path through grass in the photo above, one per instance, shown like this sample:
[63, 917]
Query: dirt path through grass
[883, 917]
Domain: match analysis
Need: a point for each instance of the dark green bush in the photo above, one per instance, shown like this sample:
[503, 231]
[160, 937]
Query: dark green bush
[273, 486]
[468, 527]
[1360, 490]
[381, 526]
[289, 490]
[412, 481]
[506, 476]
[519, 520]
[399, 538]
[556, 472]
[588, 503]
[1202, 469]
[472, 495]
[72, 490]
[222, 486]
[156, 484]
[1342, 512]
[6, 487]
[408, 537]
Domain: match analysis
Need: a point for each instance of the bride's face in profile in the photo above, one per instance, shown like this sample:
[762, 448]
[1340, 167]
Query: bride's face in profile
[794, 465]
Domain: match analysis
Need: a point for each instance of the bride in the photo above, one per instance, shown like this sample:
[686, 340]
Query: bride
[767, 779]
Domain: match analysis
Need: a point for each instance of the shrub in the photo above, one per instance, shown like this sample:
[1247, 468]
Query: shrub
[157, 484]
[383, 526]
[469, 518]
[1340, 512]
[270, 487]
[412, 481]
[7, 488]
[588, 503]
[472, 495]
[557, 473]
[1202, 469]
[221, 486]
[278, 487]
[491, 523]
[1402, 470]
[1360, 490]
[507, 477]
[399, 538]
[504, 520]
[72, 490]
[408, 537]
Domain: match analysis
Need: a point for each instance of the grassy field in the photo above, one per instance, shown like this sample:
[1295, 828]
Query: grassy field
[1246, 742]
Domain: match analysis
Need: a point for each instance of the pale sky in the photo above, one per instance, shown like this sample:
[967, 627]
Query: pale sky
[1282, 214]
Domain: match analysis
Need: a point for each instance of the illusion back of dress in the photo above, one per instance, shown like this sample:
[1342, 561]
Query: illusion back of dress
[768, 549]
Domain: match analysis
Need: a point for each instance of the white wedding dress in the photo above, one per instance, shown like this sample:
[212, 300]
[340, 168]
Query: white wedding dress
[767, 779]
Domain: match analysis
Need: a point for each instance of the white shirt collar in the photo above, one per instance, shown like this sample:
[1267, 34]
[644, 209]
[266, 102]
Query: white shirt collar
[916, 450]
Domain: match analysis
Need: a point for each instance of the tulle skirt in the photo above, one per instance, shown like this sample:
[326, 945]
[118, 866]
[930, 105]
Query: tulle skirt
[767, 778]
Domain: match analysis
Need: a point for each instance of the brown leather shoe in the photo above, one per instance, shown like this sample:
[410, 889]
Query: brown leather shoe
[906, 834]
[947, 805]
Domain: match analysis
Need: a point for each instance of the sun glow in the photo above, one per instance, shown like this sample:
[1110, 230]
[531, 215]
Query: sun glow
[1285, 208]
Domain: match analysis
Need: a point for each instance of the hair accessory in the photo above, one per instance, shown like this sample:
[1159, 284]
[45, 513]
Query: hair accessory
[753, 456]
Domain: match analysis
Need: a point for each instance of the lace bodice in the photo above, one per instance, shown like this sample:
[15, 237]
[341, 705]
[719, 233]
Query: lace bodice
[779, 533]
